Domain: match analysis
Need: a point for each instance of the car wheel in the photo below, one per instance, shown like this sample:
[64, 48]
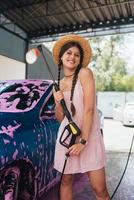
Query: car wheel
[11, 183]
[18, 182]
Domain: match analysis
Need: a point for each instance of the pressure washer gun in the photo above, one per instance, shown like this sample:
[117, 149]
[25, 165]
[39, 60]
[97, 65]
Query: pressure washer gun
[71, 129]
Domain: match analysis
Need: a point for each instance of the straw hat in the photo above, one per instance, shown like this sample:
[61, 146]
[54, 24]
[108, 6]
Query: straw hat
[73, 38]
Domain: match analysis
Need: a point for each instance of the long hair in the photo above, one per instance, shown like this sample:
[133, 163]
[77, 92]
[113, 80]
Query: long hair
[75, 76]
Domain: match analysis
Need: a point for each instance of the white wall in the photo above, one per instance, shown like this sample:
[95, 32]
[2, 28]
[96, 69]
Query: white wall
[11, 69]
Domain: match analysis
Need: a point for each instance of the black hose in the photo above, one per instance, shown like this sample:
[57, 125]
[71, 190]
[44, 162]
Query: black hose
[72, 141]
[129, 154]
[130, 150]
[65, 162]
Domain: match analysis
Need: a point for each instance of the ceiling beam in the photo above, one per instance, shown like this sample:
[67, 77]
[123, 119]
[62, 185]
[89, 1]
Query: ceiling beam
[16, 34]
[79, 27]
[86, 33]
[12, 22]
[12, 28]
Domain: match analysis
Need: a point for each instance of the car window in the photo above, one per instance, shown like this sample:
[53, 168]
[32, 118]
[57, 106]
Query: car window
[48, 110]
[20, 96]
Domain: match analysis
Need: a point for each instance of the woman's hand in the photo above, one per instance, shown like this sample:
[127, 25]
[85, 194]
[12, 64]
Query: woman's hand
[76, 149]
[58, 96]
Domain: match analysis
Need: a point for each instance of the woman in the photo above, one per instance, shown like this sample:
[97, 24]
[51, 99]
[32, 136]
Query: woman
[72, 53]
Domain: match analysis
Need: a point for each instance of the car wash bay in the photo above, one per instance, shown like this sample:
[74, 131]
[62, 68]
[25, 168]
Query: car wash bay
[34, 22]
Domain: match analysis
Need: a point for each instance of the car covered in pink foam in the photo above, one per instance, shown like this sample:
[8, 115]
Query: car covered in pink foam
[28, 131]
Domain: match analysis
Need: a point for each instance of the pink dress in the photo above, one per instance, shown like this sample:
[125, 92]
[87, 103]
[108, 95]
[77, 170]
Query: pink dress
[93, 155]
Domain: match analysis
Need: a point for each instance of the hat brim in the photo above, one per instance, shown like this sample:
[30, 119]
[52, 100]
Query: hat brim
[73, 38]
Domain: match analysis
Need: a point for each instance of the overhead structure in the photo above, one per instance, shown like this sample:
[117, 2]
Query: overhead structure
[45, 19]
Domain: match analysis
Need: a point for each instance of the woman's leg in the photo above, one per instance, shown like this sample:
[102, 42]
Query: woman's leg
[66, 187]
[98, 183]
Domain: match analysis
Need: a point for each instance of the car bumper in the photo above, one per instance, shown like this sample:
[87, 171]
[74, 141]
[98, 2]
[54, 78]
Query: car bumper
[128, 121]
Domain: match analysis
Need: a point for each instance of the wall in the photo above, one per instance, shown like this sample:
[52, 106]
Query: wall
[12, 56]
[11, 69]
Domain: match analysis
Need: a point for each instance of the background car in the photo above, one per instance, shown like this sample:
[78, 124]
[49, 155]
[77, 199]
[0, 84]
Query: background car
[125, 113]
[118, 112]
[128, 114]
[28, 131]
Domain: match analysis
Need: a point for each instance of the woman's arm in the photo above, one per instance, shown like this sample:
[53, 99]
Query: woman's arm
[58, 108]
[59, 112]
[88, 85]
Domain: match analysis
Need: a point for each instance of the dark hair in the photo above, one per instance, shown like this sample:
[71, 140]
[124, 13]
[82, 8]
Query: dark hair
[75, 77]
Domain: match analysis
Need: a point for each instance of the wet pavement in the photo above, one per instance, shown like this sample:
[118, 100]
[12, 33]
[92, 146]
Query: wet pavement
[116, 136]
[117, 139]
[115, 165]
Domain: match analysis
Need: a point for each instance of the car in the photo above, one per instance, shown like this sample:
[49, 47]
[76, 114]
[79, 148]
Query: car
[28, 131]
[128, 114]
[101, 116]
[118, 112]
[124, 113]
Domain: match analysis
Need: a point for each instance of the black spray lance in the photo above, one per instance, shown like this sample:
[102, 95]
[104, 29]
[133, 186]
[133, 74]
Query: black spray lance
[71, 129]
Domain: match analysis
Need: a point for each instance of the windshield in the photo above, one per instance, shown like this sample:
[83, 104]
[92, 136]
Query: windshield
[20, 96]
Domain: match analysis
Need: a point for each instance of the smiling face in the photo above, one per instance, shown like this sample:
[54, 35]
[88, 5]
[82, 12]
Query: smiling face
[71, 58]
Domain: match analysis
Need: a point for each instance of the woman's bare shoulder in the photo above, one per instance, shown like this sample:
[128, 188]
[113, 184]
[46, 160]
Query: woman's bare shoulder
[87, 81]
[85, 74]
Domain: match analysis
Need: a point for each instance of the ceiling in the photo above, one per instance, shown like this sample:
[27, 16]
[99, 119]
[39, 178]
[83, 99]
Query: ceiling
[47, 18]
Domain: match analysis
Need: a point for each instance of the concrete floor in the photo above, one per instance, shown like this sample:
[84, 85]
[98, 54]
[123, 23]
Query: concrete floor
[116, 163]
[114, 169]
[117, 139]
[116, 136]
